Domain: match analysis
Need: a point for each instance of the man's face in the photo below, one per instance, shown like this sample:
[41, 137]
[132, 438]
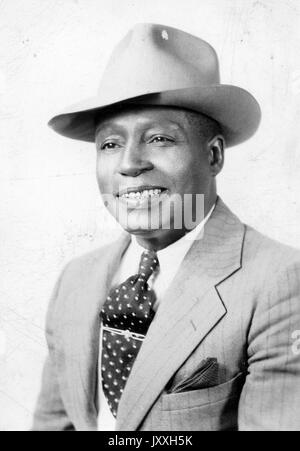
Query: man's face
[147, 157]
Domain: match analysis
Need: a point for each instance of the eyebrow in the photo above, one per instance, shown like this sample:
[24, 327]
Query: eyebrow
[108, 125]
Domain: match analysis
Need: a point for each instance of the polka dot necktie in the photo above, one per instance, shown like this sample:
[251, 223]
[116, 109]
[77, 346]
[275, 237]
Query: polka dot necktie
[126, 317]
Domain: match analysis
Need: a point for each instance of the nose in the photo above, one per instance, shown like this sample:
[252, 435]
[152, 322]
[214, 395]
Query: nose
[133, 160]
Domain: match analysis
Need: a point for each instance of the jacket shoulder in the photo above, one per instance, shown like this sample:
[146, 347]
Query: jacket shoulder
[269, 265]
[89, 264]
[91, 257]
[259, 247]
[99, 254]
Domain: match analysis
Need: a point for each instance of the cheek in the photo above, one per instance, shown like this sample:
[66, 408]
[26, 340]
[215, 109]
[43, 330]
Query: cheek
[175, 167]
[190, 173]
[104, 175]
[103, 183]
[181, 170]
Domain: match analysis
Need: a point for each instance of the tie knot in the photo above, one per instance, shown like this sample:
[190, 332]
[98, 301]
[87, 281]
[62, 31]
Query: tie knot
[148, 263]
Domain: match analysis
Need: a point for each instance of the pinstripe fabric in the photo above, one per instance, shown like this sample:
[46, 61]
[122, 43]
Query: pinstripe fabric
[235, 297]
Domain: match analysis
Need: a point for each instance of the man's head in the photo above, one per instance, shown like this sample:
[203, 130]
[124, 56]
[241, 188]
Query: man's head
[163, 153]
[172, 139]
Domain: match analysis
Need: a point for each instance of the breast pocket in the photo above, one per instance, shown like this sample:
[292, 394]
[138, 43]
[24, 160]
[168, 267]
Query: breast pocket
[206, 409]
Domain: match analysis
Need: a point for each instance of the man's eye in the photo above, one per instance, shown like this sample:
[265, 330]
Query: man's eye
[161, 139]
[109, 145]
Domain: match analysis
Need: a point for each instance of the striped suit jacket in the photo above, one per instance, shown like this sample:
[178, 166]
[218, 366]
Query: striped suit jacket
[236, 298]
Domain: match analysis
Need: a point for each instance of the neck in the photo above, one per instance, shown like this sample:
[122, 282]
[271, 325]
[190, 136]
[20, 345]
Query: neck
[159, 239]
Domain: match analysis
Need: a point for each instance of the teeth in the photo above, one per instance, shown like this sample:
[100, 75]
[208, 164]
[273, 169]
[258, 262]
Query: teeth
[142, 194]
[133, 195]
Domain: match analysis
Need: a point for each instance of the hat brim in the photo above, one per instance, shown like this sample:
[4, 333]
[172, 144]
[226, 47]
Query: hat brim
[234, 108]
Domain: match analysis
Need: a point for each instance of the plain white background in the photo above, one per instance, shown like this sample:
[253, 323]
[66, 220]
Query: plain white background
[52, 53]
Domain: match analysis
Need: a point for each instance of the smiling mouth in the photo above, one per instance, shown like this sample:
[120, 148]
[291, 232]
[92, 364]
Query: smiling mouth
[141, 192]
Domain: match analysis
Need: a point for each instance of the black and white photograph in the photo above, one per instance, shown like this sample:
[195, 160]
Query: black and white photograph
[149, 218]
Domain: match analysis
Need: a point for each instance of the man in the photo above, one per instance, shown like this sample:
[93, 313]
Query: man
[177, 325]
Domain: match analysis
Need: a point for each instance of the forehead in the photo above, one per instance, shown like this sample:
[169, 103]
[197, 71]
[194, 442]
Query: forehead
[145, 116]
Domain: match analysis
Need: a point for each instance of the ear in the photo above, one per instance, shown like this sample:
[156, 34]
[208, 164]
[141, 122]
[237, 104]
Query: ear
[216, 147]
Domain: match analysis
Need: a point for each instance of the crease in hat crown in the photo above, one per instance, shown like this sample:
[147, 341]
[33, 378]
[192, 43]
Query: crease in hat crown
[161, 65]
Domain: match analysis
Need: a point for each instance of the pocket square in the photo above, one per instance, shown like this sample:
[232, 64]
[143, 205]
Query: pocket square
[206, 375]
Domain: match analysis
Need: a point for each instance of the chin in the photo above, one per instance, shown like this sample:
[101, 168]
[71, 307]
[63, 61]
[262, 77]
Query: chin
[144, 232]
[139, 228]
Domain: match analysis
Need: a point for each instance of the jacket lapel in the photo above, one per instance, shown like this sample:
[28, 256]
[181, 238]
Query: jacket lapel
[81, 334]
[190, 309]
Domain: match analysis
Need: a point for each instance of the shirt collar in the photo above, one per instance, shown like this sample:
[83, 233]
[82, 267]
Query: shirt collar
[175, 252]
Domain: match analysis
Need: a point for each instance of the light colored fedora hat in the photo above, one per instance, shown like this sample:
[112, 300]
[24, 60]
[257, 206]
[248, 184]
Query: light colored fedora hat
[159, 65]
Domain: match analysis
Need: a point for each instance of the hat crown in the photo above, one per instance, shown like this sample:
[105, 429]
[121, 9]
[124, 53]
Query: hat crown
[157, 65]
[153, 58]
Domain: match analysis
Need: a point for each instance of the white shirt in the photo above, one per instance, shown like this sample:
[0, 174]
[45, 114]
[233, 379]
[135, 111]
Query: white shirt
[170, 258]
